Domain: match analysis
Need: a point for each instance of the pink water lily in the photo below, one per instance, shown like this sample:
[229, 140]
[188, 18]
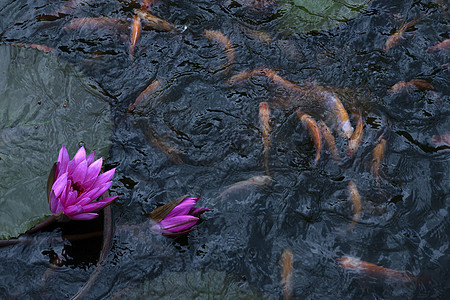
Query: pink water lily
[78, 183]
[180, 219]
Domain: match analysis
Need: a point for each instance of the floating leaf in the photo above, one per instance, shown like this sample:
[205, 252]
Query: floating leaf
[44, 103]
[303, 16]
[195, 285]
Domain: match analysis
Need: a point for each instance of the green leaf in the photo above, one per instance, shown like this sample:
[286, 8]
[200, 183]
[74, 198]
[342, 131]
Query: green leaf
[72, 111]
[302, 16]
[195, 285]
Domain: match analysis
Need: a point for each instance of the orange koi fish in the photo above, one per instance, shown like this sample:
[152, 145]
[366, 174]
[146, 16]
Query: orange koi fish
[146, 4]
[70, 6]
[286, 272]
[147, 92]
[55, 262]
[44, 48]
[66, 9]
[156, 23]
[356, 265]
[419, 84]
[357, 136]
[331, 101]
[378, 153]
[135, 32]
[264, 121]
[329, 139]
[441, 140]
[444, 45]
[309, 123]
[397, 36]
[257, 34]
[244, 75]
[95, 23]
[258, 180]
[280, 81]
[356, 199]
[172, 153]
[221, 39]
[321, 96]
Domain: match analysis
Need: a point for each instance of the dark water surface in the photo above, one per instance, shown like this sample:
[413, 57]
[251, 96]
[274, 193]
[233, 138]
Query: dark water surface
[404, 223]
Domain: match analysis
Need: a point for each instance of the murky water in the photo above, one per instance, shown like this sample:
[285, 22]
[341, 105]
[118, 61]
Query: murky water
[214, 133]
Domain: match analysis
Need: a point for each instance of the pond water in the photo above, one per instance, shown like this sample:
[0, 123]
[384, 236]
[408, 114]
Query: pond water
[198, 135]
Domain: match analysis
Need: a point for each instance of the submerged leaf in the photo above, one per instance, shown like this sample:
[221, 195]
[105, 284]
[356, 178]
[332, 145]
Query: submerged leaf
[301, 16]
[195, 285]
[44, 103]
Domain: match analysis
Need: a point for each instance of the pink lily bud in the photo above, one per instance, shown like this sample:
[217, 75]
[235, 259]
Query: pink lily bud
[178, 220]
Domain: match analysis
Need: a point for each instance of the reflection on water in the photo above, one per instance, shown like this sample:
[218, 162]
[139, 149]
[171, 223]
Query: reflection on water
[205, 136]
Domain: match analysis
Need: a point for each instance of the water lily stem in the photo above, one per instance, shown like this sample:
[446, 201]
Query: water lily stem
[38, 227]
[107, 239]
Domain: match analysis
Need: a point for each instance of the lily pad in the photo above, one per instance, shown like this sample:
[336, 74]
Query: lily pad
[195, 285]
[302, 16]
[44, 103]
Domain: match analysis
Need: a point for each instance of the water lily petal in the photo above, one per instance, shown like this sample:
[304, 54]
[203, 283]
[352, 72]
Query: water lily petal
[181, 209]
[89, 194]
[77, 159]
[53, 202]
[90, 158]
[84, 216]
[63, 160]
[98, 204]
[89, 184]
[79, 173]
[59, 184]
[191, 198]
[178, 223]
[104, 177]
[84, 201]
[197, 211]
[98, 191]
[73, 210]
[80, 155]
[59, 207]
[71, 198]
[159, 229]
[66, 191]
[93, 171]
